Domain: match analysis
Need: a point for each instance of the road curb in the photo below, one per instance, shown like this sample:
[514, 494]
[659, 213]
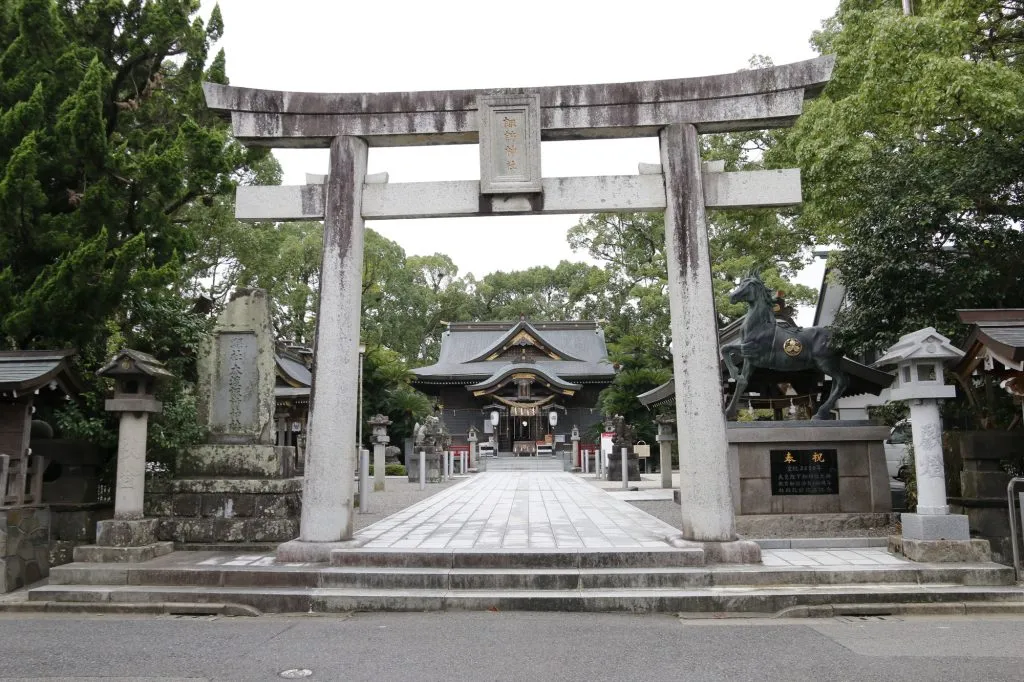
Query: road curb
[889, 609]
[158, 608]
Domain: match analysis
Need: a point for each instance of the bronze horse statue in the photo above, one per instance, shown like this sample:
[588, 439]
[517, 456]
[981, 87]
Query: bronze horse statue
[769, 343]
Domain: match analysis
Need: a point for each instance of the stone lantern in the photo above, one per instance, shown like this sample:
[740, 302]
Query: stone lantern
[665, 438]
[379, 424]
[129, 536]
[472, 436]
[931, 534]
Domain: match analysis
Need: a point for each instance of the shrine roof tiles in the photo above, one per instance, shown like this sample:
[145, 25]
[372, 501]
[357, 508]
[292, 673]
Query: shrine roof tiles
[463, 345]
[30, 370]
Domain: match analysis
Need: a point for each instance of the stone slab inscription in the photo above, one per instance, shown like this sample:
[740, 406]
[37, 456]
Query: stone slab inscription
[805, 472]
[509, 144]
[235, 390]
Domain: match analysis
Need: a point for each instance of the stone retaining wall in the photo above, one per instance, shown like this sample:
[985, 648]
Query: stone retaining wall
[216, 511]
[24, 546]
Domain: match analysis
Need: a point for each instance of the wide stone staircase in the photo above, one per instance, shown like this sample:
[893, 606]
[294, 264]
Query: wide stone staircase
[656, 580]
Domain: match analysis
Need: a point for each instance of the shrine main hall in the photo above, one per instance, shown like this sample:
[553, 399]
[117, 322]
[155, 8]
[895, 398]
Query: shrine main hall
[524, 384]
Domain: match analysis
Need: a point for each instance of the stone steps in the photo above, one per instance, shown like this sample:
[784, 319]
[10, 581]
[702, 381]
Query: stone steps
[518, 579]
[751, 600]
[521, 464]
[635, 559]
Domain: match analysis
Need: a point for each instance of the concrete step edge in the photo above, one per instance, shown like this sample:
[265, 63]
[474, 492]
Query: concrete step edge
[145, 608]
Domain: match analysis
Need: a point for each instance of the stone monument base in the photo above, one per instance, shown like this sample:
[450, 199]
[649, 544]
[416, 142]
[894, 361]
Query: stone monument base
[24, 546]
[434, 467]
[614, 470]
[219, 511]
[730, 552]
[855, 478]
[941, 551]
[124, 540]
[238, 461]
[935, 527]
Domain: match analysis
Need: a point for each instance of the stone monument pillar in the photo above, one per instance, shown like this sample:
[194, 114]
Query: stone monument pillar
[379, 424]
[931, 534]
[238, 486]
[574, 436]
[708, 514]
[665, 438]
[129, 536]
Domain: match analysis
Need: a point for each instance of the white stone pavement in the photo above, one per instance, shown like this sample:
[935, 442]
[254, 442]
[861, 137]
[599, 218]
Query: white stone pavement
[519, 510]
[556, 510]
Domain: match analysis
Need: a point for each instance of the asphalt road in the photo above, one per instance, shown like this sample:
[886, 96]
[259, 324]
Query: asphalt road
[510, 646]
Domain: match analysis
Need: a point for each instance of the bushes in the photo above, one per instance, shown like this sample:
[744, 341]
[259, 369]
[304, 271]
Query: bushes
[392, 470]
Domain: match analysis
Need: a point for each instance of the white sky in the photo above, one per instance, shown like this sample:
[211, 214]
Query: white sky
[376, 46]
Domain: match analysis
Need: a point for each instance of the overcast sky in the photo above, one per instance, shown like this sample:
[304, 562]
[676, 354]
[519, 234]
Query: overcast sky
[374, 46]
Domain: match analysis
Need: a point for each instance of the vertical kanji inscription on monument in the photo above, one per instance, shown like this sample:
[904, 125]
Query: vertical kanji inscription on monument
[235, 394]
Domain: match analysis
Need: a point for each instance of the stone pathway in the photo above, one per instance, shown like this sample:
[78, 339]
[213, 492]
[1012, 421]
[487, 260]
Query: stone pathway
[519, 510]
[804, 558]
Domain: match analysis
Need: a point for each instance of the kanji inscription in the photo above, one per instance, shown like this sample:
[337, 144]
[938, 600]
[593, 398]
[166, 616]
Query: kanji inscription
[509, 144]
[805, 472]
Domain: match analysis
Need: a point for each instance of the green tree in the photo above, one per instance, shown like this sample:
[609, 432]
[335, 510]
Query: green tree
[104, 142]
[912, 163]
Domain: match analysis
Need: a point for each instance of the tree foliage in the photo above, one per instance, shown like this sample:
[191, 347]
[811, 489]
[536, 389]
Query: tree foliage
[912, 163]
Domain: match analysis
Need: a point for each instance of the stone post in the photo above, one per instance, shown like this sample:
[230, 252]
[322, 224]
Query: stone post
[129, 536]
[379, 426]
[665, 438]
[331, 442]
[472, 436]
[705, 485]
[575, 438]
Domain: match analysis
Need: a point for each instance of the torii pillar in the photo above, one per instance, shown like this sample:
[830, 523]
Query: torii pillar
[705, 491]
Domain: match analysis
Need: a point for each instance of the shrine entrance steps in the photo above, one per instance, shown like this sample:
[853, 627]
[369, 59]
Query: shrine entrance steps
[528, 540]
[654, 581]
[513, 463]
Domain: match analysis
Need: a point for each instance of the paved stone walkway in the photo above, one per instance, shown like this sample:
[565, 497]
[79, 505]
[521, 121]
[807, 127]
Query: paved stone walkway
[519, 510]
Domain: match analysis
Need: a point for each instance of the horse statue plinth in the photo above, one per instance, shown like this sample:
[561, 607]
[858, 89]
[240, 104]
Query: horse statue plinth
[769, 343]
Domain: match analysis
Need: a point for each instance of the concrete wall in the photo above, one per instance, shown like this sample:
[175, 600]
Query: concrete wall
[863, 478]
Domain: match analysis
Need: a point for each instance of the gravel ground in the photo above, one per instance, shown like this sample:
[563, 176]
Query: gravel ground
[399, 493]
[668, 511]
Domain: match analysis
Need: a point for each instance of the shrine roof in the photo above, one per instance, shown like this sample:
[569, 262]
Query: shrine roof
[31, 370]
[997, 333]
[293, 371]
[465, 343]
[508, 369]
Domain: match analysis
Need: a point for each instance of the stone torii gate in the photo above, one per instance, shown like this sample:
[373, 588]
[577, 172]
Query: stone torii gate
[509, 126]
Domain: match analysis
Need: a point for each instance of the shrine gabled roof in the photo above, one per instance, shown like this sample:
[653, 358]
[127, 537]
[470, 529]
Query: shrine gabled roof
[293, 372]
[30, 370]
[509, 369]
[463, 343]
[1000, 329]
[997, 333]
[521, 328]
